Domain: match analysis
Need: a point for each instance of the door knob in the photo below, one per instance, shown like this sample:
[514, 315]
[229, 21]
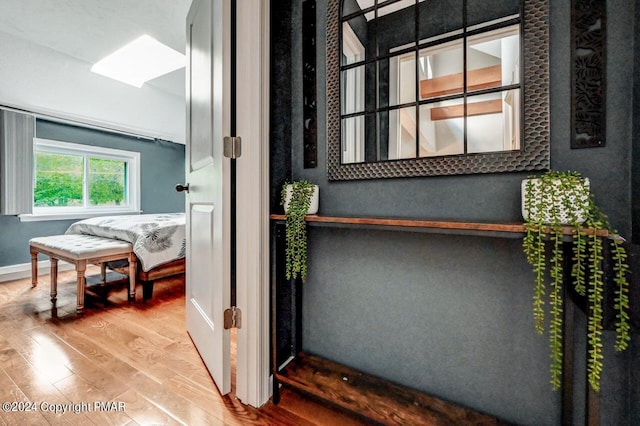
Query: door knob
[180, 187]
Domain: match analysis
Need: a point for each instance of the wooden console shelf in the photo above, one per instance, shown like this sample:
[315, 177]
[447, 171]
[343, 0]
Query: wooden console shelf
[374, 398]
[511, 230]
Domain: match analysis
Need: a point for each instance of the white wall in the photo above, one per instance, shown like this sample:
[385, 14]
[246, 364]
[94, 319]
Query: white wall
[40, 79]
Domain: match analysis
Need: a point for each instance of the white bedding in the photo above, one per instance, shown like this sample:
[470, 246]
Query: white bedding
[156, 238]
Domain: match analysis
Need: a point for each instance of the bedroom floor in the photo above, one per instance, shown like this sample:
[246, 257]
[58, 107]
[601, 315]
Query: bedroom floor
[135, 361]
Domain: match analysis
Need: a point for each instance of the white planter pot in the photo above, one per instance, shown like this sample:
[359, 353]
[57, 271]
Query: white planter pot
[313, 206]
[578, 198]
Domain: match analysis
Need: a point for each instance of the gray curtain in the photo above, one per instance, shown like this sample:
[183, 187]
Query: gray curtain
[16, 162]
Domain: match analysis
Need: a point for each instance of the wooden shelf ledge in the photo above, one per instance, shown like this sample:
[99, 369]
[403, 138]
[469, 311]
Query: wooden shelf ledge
[511, 230]
[374, 398]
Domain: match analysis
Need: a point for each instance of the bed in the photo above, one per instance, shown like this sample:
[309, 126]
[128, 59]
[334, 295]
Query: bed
[158, 242]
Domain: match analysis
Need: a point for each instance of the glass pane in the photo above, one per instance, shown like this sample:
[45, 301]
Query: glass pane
[353, 6]
[397, 80]
[402, 6]
[59, 180]
[493, 58]
[442, 128]
[371, 149]
[398, 133]
[354, 40]
[438, 18]
[440, 70]
[106, 182]
[352, 90]
[479, 11]
[493, 122]
[353, 140]
[396, 27]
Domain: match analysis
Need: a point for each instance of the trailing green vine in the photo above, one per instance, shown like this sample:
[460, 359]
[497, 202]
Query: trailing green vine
[535, 251]
[555, 327]
[297, 207]
[621, 298]
[578, 269]
[559, 204]
[620, 271]
[594, 326]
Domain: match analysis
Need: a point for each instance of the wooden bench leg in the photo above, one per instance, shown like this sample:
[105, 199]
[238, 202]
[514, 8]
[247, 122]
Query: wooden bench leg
[81, 267]
[133, 270]
[147, 290]
[34, 267]
[54, 280]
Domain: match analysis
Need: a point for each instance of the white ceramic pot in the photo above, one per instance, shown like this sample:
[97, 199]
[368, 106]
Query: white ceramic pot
[313, 206]
[578, 199]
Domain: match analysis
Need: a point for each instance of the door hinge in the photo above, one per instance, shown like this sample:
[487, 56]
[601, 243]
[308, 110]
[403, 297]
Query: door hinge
[232, 318]
[232, 146]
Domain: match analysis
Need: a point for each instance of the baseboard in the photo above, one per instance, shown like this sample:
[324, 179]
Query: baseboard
[23, 270]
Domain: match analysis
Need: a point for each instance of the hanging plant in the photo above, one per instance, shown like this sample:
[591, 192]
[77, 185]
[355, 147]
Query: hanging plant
[555, 205]
[297, 200]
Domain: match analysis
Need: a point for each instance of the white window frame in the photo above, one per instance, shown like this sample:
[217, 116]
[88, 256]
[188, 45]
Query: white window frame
[61, 213]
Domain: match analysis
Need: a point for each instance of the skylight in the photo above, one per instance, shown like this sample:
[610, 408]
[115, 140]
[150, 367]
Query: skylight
[143, 59]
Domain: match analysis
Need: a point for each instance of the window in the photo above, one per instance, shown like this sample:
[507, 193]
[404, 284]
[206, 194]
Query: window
[75, 181]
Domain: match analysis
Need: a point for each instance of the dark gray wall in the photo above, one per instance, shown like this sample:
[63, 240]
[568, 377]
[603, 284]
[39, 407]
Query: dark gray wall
[440, 313]
[281, 98]
[451, 315]
[634, 364]
[634, 383]
[636, 131]
[161, 167]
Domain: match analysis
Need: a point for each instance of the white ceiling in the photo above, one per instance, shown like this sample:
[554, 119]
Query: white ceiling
[47, 48]
[88, 30]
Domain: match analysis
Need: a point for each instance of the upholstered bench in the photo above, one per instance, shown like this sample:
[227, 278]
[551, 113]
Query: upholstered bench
[80, 250]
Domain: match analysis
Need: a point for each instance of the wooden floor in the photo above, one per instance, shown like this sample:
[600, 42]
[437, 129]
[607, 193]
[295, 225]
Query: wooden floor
[135, 361]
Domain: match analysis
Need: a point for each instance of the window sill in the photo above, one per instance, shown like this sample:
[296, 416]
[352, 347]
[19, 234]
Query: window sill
[38, 217]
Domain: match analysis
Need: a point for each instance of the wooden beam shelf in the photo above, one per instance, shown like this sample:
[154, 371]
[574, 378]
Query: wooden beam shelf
[511, 230]
[493, 106]
[482, 78]
[374, 398]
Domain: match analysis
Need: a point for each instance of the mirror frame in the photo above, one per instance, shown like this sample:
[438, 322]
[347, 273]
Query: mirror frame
[534, 153]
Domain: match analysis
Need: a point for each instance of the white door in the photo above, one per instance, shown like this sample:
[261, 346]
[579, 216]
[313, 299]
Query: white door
[207, 173]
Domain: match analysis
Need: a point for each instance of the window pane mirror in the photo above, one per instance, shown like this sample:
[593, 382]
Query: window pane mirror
[436, 87]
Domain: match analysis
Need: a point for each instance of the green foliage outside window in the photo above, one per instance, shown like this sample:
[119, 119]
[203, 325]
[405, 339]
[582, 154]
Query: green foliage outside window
[59, 181]
[106, 182]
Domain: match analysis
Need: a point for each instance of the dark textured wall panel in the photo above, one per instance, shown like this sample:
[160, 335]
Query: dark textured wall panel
[281, 99]
[589, 73]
